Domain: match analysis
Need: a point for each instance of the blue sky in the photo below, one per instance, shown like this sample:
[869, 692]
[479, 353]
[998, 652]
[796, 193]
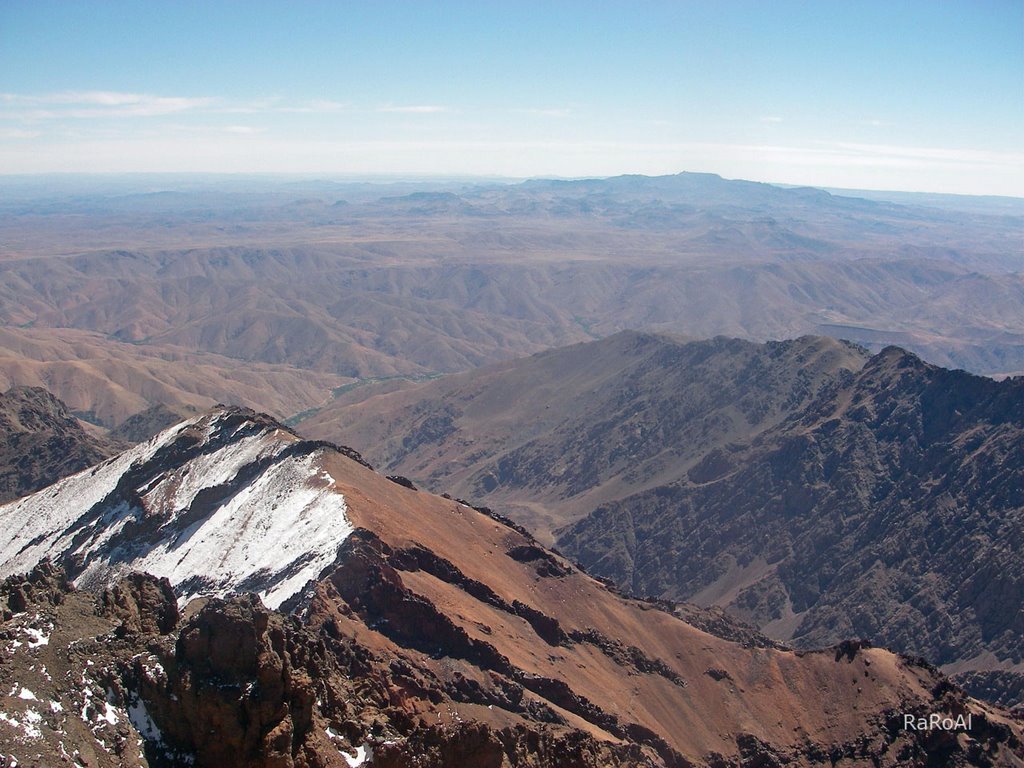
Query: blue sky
[920, 96]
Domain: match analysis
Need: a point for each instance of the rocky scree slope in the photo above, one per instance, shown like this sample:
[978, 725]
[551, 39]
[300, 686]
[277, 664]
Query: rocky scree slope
[434, 635]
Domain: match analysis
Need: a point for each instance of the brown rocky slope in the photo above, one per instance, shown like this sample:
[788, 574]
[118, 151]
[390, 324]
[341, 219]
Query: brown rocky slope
[806, 486]
[439, 636]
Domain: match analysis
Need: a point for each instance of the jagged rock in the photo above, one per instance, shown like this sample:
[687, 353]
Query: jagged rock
[405, 482]
[237, 699]
[45, 584]
[143, 603]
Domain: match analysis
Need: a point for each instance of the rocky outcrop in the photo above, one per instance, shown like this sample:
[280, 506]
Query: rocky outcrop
[46, 584]
[143, 604]
[234, 693]
[476, 745]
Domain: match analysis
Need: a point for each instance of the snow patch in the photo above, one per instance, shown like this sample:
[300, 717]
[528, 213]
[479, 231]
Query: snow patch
[273, 536]
[153, 669]
[363, 753]
[86, 703]
[109, 714]
[37, 637]
[139, 717]
[33, 525]
[177, 491]
[27, 695]
[30, 726]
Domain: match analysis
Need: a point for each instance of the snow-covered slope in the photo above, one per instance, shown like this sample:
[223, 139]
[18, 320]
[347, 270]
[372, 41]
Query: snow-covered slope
[224, 503]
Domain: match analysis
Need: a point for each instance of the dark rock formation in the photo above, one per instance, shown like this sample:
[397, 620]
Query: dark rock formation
[1001, 686]
[41, 442]
[143, 604]
[890, 508]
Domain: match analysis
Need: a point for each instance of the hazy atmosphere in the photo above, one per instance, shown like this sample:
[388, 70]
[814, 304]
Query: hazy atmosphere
[917, 96]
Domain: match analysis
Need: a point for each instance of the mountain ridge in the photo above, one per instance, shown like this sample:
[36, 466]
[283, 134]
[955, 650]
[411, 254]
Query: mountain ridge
[435, 635]
[840, 504]
[630, 404]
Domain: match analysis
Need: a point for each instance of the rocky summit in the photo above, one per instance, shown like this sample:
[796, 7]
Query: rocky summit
[300, 609]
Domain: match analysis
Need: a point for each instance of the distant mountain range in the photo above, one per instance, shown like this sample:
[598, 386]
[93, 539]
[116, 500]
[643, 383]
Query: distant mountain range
[417, 631]
[810, 488]
[315, 286]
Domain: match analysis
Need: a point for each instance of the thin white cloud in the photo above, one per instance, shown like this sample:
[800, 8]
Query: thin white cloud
[327, 105]
[554, 112]
[242, 130]
[98, 98]
[770, 119]
[417, 109]
[87, 104]
[251, 107]
[317, 106]
[275, 105]
[102, 103]
[884, 152]
[14, 134]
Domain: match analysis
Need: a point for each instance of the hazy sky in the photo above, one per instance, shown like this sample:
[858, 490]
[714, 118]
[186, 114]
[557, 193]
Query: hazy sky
[921, 96]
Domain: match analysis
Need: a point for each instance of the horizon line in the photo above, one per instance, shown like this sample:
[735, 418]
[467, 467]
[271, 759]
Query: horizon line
[397, 176]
